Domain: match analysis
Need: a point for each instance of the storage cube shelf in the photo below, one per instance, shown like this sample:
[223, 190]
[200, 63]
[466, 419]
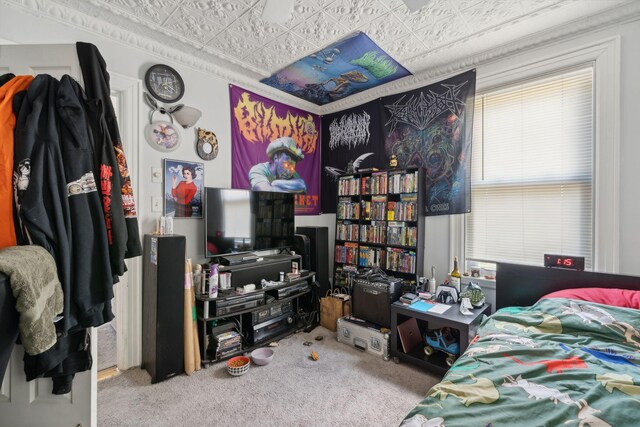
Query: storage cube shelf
[378, 222]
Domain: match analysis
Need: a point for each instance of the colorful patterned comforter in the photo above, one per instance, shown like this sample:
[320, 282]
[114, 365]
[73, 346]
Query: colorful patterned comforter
[560, 362]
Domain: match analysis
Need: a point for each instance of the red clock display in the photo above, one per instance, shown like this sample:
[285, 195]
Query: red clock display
[564, 261]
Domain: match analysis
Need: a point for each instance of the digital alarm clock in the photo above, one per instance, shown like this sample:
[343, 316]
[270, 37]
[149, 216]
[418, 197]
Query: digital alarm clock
[564, 261]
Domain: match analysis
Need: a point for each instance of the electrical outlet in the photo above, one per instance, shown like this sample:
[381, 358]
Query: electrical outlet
[156, 175]
[156, 204]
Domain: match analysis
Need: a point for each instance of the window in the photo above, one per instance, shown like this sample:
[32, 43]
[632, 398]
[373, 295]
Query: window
[533, 171]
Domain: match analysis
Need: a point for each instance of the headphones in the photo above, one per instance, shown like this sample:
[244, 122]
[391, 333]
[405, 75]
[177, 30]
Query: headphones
[445, 297]
[446, 294]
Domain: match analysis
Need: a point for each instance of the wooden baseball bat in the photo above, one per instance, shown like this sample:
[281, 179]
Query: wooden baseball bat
[194, 321]
[188, 322]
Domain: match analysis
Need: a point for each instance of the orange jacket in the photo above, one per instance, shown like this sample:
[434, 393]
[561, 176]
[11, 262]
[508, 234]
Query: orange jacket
[7, 125]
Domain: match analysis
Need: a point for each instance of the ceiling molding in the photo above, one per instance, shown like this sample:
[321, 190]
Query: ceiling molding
[77, 14]
[76, 18]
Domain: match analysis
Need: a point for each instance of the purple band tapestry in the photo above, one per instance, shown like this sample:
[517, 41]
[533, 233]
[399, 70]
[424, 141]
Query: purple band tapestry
[432, 127]
[275, 147]
[348, 66]
[352, 141]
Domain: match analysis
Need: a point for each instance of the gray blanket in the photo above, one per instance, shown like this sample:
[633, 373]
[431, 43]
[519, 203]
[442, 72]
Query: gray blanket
[34, 283]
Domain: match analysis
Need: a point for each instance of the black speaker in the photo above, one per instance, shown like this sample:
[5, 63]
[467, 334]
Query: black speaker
[372, 300]
[303, 248]
[318, 255]
[163, 306]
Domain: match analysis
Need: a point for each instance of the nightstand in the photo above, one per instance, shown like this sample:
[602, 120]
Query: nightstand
[466, 325]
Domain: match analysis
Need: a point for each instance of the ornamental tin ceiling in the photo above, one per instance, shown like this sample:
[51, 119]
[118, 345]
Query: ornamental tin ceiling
[231, 34]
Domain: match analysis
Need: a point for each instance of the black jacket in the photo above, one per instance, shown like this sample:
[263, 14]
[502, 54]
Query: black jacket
[98, 89]
[61, 209]
[43, 208]
[92, 285]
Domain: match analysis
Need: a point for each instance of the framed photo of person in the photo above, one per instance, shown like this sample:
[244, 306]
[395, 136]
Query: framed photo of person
[183, 188]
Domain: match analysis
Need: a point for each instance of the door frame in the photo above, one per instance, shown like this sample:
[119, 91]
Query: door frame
[129, 306]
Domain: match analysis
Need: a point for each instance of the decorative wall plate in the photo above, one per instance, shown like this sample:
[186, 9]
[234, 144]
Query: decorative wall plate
[207, 144]
[162, 135]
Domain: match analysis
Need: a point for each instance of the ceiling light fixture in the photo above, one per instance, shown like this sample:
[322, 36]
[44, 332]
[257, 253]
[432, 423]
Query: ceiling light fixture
[414, 5]
[278, 11]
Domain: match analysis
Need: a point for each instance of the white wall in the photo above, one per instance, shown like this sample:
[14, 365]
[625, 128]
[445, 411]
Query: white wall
[210, 94]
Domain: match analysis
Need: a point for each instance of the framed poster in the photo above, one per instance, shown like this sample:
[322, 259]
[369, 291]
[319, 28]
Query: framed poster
[183, 185]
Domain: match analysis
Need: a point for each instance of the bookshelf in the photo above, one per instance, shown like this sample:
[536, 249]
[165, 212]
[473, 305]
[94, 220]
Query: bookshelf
[379, 223]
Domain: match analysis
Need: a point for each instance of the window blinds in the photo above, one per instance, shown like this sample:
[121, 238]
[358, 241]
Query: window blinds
[532, 171]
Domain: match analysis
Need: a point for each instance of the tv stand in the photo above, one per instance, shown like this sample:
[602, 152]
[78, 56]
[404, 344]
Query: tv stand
[260, 316]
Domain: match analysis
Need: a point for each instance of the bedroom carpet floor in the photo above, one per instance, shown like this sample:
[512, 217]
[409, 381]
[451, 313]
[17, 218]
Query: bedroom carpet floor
[345, 387]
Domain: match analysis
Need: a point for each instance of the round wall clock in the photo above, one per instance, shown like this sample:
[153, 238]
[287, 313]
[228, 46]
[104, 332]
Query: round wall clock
[164, 83]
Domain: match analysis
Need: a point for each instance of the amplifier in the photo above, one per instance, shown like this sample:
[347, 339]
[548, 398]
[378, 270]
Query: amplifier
[237, 303]
[270, 328]
[292, 290]
[274, 310]
[371, 299]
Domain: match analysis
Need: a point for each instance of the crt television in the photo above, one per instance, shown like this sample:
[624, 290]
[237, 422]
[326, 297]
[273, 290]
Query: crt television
[239, 221]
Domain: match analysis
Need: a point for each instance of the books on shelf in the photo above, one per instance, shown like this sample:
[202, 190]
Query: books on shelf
[398, 233]
[371, 257]
[378, 221]
[347, 253]
[406, 209]
[403, 182]
[348, 186]
[376, 232]
[378, 206]
[348, 209]
[401, 260]
[347, 230]
[379, 183]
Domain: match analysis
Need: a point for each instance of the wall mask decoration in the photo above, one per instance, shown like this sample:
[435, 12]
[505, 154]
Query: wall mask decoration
[207, 144]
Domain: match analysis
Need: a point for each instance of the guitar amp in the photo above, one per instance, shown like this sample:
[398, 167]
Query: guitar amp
[372, 299]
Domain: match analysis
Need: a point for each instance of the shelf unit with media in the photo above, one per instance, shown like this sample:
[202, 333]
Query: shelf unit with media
[379, 223]
[271, 311]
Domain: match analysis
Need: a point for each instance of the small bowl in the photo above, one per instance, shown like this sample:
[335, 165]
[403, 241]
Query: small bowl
[262, 356]
[238, 365]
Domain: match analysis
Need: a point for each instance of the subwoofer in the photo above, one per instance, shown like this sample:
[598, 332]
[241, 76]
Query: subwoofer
[318, 255]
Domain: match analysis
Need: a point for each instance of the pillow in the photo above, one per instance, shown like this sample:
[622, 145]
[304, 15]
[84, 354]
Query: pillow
[616, 297]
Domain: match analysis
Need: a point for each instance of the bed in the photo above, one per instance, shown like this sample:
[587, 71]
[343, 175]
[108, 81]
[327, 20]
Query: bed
[569, 359]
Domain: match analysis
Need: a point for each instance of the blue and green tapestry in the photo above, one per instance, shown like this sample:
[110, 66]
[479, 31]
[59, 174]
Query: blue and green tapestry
[348, 66]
